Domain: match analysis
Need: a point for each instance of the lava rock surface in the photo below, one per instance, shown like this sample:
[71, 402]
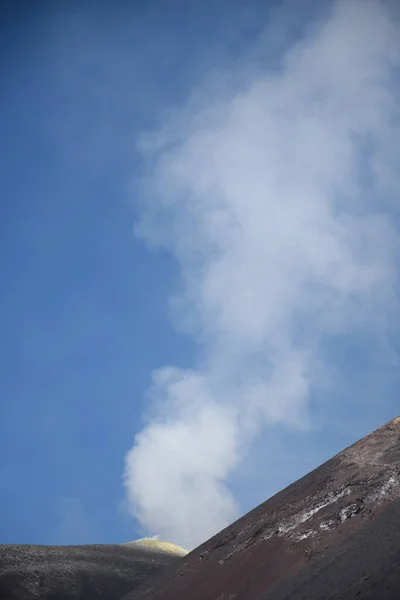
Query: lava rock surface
[92, 572]
[365, 566]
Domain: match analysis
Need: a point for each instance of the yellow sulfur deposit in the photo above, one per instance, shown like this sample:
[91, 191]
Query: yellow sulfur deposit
[153, 544]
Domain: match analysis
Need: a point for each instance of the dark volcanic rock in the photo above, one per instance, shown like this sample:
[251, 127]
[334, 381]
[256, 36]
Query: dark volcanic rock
[365, 566]
[76, 572]
[301, 524]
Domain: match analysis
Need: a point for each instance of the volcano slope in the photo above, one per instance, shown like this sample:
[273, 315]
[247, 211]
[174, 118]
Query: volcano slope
[365, 566]
[320, 528]
[92, 572]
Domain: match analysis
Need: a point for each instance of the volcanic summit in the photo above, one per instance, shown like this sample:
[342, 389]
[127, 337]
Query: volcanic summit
[333, 534]
[339, 509]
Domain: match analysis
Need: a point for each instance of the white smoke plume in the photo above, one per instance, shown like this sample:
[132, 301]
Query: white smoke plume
[275, 191]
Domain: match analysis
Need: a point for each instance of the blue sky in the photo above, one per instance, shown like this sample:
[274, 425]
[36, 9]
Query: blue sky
[146, 150]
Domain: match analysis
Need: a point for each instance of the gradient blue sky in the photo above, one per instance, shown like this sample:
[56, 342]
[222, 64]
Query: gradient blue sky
[84, 302]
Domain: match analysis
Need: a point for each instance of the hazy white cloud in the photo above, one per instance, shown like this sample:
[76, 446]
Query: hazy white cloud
[275, 195]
